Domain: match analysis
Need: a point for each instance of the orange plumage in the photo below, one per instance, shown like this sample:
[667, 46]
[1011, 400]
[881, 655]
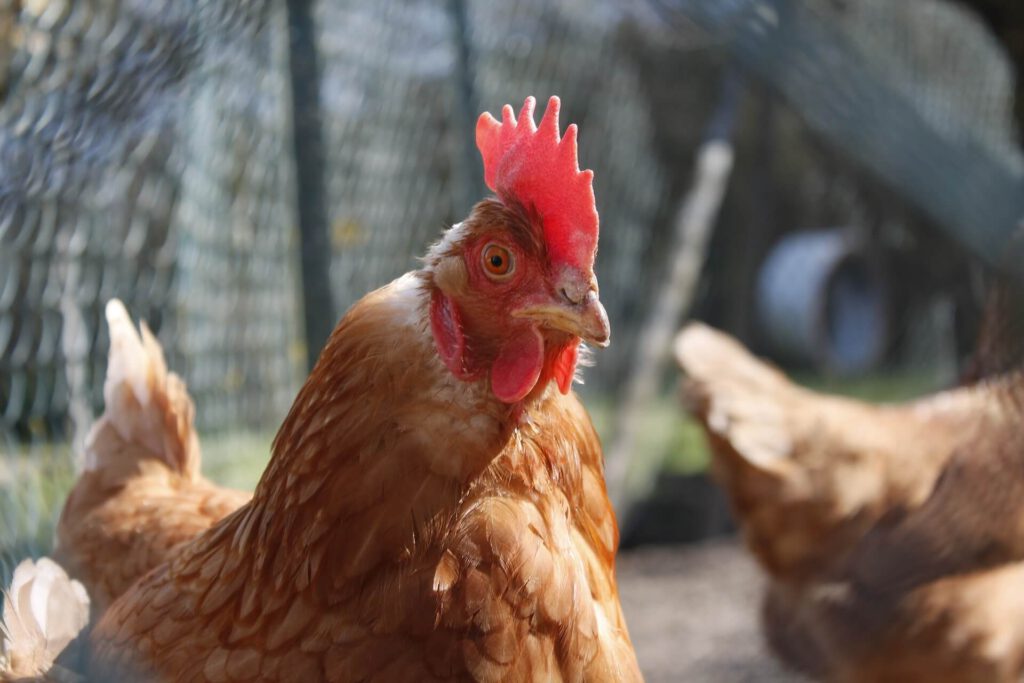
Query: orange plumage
[892, 534]
[140, 493]
[434, 508]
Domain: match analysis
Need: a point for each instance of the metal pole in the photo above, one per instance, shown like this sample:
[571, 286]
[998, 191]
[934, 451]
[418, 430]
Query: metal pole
[318, 302]
[469, 171]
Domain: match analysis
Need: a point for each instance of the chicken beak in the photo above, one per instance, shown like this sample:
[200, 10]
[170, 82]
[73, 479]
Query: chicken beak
[582, 316]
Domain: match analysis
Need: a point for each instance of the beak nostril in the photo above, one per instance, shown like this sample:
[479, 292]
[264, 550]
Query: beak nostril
[572, 309]
[572, 296]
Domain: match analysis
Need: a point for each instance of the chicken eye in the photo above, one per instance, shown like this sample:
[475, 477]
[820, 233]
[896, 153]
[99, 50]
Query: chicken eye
[498, 261]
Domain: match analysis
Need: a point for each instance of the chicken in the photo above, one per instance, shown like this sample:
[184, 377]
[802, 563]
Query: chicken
[44, 613]
[810, 474]
[884, 529]
[435, 506]
[140, 494]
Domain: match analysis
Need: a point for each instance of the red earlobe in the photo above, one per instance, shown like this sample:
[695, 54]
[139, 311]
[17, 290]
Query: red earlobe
[446, 325]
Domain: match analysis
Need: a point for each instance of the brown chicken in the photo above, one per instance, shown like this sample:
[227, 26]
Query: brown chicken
[140, 493]
[892, 534]
[435, 507]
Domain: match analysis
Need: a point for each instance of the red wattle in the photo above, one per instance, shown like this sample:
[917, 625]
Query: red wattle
[564, 368]
[517, 368]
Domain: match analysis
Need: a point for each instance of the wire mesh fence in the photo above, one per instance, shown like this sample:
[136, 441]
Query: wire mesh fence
[147, 152]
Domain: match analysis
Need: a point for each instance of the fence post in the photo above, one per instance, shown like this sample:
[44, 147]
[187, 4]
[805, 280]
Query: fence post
[311, 185]
[694, 224]
[469, 170]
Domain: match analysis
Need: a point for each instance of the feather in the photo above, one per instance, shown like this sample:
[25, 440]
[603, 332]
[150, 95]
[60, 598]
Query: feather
[44, 611]
[438, 539]
[421, 516]
[140, 494]
[889, 532]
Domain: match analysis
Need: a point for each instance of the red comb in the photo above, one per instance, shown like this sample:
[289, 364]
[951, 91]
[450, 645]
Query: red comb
[536, 168]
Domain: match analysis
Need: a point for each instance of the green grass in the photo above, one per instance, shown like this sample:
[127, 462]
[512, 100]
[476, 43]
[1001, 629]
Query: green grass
[667, 433]
[236, 459]
[880, 387]
[33, 485]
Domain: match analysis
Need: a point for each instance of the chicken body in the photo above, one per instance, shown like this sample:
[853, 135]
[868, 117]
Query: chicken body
[434, 508]
[409, 527]
[889, 533]
[140, 494]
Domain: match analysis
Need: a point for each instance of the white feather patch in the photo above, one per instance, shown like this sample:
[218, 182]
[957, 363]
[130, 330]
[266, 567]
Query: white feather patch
[44, 611]
[451, 238]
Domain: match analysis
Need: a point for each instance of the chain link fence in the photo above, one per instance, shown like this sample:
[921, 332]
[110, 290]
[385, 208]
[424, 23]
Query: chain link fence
[147, 152]
[144, 152]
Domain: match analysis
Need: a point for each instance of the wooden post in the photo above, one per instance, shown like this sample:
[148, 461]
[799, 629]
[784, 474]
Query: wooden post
[693, 227]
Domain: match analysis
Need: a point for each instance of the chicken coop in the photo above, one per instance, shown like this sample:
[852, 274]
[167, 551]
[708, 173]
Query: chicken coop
[241, 173]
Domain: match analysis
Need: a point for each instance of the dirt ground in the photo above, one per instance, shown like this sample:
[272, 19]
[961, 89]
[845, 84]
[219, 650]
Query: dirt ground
[693, 614]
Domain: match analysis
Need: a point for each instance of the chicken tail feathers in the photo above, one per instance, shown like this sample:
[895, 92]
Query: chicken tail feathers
[734, 394]
[146, 406]
[44, 611]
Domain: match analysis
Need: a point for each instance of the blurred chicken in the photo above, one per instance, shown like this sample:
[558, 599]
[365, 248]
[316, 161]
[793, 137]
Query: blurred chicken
[44, 613]
[892, 534]
[435, 505]
[140, 494]
[808, 473]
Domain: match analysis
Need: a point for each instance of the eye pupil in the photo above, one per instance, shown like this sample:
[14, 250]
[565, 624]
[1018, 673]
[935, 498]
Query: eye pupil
[497, 260]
